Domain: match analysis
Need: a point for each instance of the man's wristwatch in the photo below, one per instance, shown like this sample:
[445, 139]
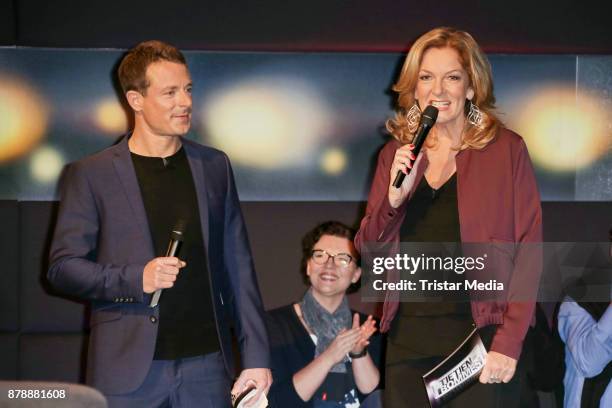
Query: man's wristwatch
[358, 355]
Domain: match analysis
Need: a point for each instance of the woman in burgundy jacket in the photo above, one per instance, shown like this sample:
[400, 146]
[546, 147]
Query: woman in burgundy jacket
[473, 182]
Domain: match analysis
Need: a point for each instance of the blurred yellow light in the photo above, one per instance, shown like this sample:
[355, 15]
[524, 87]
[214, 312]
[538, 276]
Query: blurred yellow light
[561, 132]
[266, 125]
[110, 117]
[333, 161]
[46, 164]
[23, 118]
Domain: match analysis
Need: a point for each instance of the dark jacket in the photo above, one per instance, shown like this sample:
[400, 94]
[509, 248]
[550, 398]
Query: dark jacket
[102, 243]
[498, 202]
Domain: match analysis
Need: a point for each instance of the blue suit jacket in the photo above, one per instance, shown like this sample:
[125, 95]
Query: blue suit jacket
[102, 243]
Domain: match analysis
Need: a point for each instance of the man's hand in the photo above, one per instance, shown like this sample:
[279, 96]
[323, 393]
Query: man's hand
[160, 273]
[261, 378]
[498, 368]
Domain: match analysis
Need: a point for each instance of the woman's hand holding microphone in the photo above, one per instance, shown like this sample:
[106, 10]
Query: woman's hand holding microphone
[403, 161]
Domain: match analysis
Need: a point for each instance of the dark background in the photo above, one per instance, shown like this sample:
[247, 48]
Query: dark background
[315, 25]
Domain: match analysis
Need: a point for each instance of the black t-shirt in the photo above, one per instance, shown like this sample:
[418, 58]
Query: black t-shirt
[186, 317]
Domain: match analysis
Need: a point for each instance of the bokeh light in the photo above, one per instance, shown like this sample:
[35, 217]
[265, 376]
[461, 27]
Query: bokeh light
[110, 117]
[563, 133]
[46, 164]
[333, 161]
[23, 118]
[267, 123]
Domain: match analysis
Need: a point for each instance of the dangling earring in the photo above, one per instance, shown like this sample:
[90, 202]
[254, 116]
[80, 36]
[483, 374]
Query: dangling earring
[413, 116]
[475, 116]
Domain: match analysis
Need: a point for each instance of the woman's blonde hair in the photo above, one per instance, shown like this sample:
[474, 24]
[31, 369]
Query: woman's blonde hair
[477, 66]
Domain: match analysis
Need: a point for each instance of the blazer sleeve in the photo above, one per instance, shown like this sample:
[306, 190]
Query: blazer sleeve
[73, 269]
[508, 339]
[248, 308]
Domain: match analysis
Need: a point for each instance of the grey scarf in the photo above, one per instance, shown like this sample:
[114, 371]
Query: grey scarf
[325, 325]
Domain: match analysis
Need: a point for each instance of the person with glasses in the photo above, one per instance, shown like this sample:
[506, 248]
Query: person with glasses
[323, 354]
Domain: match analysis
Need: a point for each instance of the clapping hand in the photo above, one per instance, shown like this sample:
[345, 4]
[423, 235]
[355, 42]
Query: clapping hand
[366, 330]
[353, 340]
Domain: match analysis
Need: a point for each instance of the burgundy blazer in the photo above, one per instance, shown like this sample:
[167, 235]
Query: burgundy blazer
[498, 201]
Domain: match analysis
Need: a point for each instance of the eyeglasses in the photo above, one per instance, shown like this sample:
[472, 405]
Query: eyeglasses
[320, 257]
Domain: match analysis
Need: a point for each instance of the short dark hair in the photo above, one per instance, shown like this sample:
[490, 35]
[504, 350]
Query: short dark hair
[132, 71]
[333, 228]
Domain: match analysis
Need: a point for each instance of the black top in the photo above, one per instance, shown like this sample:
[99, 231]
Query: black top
[431, 216]
[292, 349]
[186, 317]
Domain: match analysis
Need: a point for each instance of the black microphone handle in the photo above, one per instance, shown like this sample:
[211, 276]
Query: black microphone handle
[399, 179]
[418, 142]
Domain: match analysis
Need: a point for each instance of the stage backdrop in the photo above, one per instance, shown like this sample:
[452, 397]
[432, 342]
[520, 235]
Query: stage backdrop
[297, 126]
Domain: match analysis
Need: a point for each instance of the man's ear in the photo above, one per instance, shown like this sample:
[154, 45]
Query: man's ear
[134, 98]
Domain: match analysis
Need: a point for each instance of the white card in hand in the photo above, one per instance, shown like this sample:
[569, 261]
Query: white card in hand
[246, 396]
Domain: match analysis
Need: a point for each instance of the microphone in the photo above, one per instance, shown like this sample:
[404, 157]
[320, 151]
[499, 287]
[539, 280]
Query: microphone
[176, 239]
[428, 118]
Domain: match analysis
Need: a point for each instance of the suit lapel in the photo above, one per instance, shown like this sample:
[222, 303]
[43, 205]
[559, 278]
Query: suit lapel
[127, 175]
[197, 172]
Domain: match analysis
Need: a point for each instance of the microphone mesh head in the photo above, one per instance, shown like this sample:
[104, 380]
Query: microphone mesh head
[178, 231]
[429, 115]
[180, 226]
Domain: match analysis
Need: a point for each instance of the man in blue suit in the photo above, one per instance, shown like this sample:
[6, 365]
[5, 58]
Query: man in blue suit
[118, 208]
